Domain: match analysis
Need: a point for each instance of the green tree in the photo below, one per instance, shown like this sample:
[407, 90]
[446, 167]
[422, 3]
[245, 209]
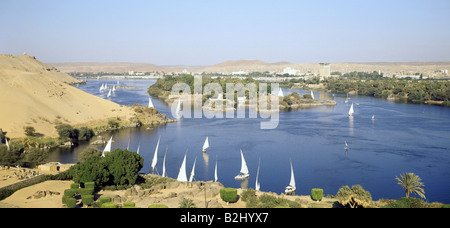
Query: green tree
[85, 154]
[123, 166]
[412, 184]
[29, 130]
[354, 197]
[85, 133]
[93, 169]
[66, 131]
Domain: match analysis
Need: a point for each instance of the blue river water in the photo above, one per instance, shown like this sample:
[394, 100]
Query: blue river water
[402, 138]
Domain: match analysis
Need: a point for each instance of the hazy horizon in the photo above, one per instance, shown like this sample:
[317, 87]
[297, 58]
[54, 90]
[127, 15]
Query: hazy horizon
[202, 33]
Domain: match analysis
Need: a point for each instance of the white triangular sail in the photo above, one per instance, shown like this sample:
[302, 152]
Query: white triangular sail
[182, 173]
[155, 156]
[243, 173]
[215, 172]
[351, 111]
[280, 93]
[107, 147]
[150, 103]
[137, 151]
[257, 184]
[206, 144]
[109, 94]
[191, 178]
[292, 182]
[312, 95]
[7, 144]
[164, 174]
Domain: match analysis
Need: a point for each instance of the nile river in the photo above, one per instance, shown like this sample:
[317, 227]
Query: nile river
[402, 138]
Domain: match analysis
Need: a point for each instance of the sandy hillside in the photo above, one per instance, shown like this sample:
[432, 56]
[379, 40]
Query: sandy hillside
[35, 94]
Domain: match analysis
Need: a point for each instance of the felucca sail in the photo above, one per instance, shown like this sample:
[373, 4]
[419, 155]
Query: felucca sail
[291, 187]
[244, 170]
[312, 95]
[182, 173]
[351, 111]
[155, 156]
[107, 147]
[215, 172]
[150, 103]
[191, 178]
[206, 144]
[257, 185]
[164, 174]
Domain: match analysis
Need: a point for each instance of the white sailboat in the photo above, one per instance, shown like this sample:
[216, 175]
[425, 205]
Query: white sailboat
[182, 173]
[150, 103]
[346, 100]
[244, 170]
[346, 145]
[7, 144]
[373, 117]
[164, 173]
[205, 145]
[109, 94]
[114, 88]
[257, 184]
[280, 93]
[312, 95]
[107, 147]
[155, 157]
[290, 189]
[215, 172]
[351, 111]
[137, 151]
[191, 178]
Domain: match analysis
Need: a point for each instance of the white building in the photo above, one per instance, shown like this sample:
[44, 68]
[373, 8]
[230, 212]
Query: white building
[239, 72]
[290, 71]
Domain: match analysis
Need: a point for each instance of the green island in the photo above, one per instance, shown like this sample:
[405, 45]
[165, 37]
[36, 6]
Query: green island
[162, 89]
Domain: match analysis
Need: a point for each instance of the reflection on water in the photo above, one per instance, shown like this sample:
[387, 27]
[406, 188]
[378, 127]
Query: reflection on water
[403, 138]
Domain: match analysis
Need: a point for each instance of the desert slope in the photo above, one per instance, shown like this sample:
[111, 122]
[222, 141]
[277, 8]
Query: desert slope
[34, 94]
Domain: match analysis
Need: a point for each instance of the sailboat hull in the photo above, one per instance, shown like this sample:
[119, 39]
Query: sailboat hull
[290, 190]
[241, 176]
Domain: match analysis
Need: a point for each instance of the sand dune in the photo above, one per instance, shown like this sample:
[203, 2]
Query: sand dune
[38, 95]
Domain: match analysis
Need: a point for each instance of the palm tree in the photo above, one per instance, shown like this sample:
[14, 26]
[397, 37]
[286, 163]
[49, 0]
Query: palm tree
[412, 184]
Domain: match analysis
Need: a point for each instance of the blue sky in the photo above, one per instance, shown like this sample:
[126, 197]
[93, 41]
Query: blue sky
[208, 32]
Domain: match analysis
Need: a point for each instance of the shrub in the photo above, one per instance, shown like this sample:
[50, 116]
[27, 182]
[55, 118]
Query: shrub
[105, 200]
[317, 194]
[128, 205]
[87, 199]
[74, 186]
[85, 191]
[70, 192]
[187, 203]
[156, 205]
[70, 202]
[109, 205]
[89, 185]
[406, 203]
[228, 194]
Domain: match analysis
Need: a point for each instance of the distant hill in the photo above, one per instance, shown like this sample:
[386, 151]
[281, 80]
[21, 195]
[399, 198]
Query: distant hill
[256, 66]
[38, 95]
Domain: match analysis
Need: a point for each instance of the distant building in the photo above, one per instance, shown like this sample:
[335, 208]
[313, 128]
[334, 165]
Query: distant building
[289, 71]
[324, 70]
[239, 73]
[130, 72]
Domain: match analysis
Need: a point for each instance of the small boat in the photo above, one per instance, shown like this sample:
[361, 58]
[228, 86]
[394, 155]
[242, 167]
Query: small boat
[351, 111]
[346, 100]
[114, 88]
[137, 151]
[150, 103]
[178, 106]
[257, 184]
[182, 173]
[373, 117]
[280, 93]
[155, 157]
[109, 94]
[7, 144]
[191, 178]
[205, 145]
[244, 170]
[290, 189]
[107, 147]
[312, 95]
[346, 145]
